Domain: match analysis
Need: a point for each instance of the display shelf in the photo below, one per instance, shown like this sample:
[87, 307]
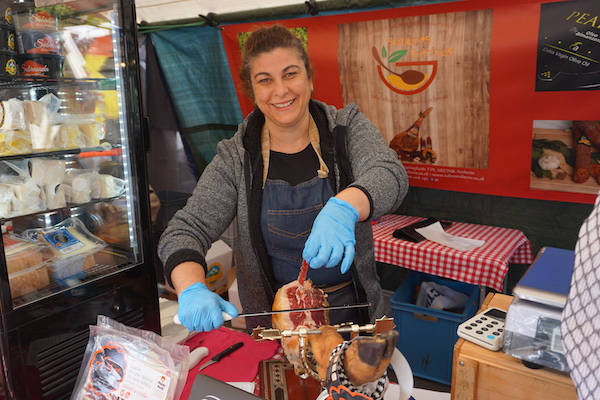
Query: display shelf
[87, 259]
[91, 83]
[96, 151]
[91, 273]
[69, 206]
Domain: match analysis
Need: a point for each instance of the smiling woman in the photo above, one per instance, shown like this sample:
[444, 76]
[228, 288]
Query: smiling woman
[282, 88]
[303, 179]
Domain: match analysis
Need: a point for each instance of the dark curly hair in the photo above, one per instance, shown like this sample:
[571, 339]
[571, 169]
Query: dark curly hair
[264, 40]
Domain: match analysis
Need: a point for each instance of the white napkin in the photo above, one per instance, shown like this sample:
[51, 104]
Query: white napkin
[436, 233]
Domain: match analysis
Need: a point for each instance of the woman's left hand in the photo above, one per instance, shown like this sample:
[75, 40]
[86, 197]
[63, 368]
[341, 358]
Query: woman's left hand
[332, 236]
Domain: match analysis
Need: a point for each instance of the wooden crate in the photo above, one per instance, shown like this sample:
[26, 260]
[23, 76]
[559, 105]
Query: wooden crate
[479, 373]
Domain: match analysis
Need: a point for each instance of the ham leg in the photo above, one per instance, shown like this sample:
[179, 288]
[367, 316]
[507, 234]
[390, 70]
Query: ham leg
[366, 359]
[298, 294]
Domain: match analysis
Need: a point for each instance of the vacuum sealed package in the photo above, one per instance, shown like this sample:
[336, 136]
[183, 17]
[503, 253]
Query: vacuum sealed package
[26, 265]
[70, 243]
[121, 362]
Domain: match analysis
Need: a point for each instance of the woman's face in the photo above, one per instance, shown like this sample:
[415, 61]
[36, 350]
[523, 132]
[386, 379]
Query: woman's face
[281, 87]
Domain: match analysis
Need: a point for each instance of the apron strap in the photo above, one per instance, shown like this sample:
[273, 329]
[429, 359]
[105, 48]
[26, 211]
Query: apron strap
[315, 141]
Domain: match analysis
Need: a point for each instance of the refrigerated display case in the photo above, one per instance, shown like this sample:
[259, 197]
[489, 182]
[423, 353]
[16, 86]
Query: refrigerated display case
[74, 205]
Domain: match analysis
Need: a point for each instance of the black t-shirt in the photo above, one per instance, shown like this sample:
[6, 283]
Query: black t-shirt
[293, 168]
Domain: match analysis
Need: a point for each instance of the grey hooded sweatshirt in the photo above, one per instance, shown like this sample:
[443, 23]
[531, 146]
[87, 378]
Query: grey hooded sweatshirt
[231, 185]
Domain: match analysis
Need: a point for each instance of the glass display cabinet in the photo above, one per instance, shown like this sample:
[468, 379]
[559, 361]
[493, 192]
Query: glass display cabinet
[74, 206]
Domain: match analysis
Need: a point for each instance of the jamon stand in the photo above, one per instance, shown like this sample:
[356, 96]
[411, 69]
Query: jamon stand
[381, 325]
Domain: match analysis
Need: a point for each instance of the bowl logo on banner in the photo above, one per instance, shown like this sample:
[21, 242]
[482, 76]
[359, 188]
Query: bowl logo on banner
[408, 77]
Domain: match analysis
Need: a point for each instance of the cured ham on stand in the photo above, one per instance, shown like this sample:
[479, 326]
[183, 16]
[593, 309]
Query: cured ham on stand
[308, 340]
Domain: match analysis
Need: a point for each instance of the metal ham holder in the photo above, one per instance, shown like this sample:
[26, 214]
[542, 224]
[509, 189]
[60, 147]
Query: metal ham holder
[383, 324]
[259, 334]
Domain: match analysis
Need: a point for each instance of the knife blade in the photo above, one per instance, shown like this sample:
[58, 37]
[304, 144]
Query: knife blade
[227, 317]
[222, 354]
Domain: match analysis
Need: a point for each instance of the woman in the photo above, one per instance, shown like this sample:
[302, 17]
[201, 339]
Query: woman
[299, 175]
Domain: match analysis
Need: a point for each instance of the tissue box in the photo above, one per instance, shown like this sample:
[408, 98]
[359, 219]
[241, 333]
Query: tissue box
[219, 259]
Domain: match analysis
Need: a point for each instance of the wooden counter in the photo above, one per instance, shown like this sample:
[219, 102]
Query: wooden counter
[479, 373]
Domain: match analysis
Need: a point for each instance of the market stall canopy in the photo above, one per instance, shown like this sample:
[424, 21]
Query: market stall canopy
[152, 11]
[169, 12]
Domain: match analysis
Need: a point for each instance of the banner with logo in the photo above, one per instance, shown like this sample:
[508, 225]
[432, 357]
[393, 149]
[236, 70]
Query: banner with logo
[489, 96]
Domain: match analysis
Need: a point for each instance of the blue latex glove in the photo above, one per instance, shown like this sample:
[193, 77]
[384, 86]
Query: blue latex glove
[200, 309]
[332, 236]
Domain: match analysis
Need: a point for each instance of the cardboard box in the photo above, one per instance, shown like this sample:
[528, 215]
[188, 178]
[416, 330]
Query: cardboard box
[219, 259]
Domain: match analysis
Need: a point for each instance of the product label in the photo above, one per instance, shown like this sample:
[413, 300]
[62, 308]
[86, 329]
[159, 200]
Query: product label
[214, 274]
[8, 15]
[45, 44]
[41, 20]
[11, 41]
[11, 67]
[118, 375]
[569, 46]
[31, 68]
[63, 241]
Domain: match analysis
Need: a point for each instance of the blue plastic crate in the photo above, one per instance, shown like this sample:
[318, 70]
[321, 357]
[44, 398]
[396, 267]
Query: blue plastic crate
[427, 335]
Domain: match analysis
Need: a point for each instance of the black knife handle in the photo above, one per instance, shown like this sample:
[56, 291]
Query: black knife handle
[227, 351]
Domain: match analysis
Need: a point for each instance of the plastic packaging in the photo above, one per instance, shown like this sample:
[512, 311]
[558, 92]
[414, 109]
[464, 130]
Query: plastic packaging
[14, 142]
[440, 297]
[82, 185]
[8, 65]
[28, 197]
[7, 38]
[70, 243]
[26, 265]
[40, 65]
[130, 363]
[37, 42]
[532, 333]
[13, 114]
[27, 17]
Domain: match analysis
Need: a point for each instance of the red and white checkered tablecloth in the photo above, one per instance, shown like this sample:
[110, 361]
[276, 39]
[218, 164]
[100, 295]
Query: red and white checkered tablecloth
[486, 265]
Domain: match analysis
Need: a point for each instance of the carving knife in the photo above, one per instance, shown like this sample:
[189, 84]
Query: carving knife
[218, 356]
[227, 317]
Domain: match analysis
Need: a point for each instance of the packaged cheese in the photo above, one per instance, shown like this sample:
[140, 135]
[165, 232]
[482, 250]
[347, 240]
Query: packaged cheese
[12, 114]
[14, 142]
[26, 265]
[47, 171]
[70, 243]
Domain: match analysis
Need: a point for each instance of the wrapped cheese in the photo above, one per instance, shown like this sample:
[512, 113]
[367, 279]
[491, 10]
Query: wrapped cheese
[13, 114]
[27, 198]
[25, 264]
[47, 171]
[36, 113]
[7, 196]
[55, 196]
[70, 244]
[14, 142]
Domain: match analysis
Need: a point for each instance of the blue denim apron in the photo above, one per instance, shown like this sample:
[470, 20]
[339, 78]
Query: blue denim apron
[287, 215]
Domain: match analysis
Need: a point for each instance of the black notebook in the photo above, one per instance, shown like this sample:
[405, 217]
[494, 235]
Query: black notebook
[408, 232]
[205, 387]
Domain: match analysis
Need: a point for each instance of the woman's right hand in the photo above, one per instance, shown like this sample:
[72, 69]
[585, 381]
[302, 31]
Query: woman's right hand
[200, 308]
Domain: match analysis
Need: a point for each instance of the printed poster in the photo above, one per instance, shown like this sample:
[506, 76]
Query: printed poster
[473, 96]
[424, 82]
[569, 46]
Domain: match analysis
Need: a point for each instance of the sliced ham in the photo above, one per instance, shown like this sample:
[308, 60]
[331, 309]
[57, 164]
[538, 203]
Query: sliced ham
[366, 359]
[296, 295]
